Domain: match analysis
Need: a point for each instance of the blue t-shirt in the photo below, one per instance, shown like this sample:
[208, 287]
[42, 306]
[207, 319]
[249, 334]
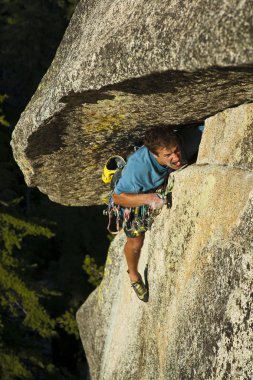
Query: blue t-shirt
[142, 173]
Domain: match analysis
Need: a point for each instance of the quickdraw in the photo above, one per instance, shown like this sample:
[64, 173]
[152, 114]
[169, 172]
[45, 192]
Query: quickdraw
[136, 219]
[113, 212]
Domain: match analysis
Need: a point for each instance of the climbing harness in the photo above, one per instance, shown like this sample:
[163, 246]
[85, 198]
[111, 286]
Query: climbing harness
[134, 220]
[114, 213]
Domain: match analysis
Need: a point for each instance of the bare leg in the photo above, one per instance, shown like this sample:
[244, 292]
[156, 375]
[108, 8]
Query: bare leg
[132, 252]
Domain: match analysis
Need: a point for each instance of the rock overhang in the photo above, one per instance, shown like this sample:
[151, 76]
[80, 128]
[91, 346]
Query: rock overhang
[97, 99]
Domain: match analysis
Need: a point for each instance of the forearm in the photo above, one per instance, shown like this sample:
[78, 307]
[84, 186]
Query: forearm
[132, 200]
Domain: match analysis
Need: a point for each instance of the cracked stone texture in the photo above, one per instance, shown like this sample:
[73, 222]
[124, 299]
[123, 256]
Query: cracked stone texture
[198, 323]
[123, 67]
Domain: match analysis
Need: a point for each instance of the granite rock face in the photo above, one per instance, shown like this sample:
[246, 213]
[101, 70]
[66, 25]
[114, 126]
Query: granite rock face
[198, 323]
[122, 68]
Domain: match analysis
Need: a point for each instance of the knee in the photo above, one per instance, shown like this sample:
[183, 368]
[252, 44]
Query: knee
[135, 243]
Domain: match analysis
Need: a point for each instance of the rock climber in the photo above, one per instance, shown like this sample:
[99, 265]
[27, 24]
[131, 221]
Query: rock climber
[146, 171]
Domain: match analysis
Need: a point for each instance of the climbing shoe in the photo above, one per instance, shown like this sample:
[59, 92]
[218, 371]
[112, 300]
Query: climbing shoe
[140, 289]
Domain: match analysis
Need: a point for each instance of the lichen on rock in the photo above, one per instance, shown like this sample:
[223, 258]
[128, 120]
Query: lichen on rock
[123, 67]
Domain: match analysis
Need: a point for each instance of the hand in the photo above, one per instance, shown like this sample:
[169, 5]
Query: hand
[156, 202]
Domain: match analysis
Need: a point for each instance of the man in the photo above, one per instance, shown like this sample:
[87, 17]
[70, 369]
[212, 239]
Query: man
[164, 151]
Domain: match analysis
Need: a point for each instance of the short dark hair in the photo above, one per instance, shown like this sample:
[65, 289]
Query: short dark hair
[160, 137]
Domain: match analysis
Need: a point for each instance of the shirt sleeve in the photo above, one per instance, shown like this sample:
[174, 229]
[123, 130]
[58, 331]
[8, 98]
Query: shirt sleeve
[130, 180]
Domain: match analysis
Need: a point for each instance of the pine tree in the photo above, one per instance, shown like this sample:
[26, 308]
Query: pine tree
[3, 121]
[24, 320]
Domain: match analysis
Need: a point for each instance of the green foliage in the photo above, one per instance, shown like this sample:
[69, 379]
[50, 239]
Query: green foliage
[19, 303]
[14, 230]
[94, 271]
[13, 202]
[11, 367]
[3, 121]
[68, 322]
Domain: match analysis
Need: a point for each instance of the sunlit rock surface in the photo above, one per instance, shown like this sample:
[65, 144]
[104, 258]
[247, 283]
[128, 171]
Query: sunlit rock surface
[198, 322]
[122, 67]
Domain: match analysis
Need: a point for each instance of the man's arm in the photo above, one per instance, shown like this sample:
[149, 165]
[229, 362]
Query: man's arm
[134, 200]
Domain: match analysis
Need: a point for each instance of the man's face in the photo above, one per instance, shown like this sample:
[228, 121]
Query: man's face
[170, 157]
